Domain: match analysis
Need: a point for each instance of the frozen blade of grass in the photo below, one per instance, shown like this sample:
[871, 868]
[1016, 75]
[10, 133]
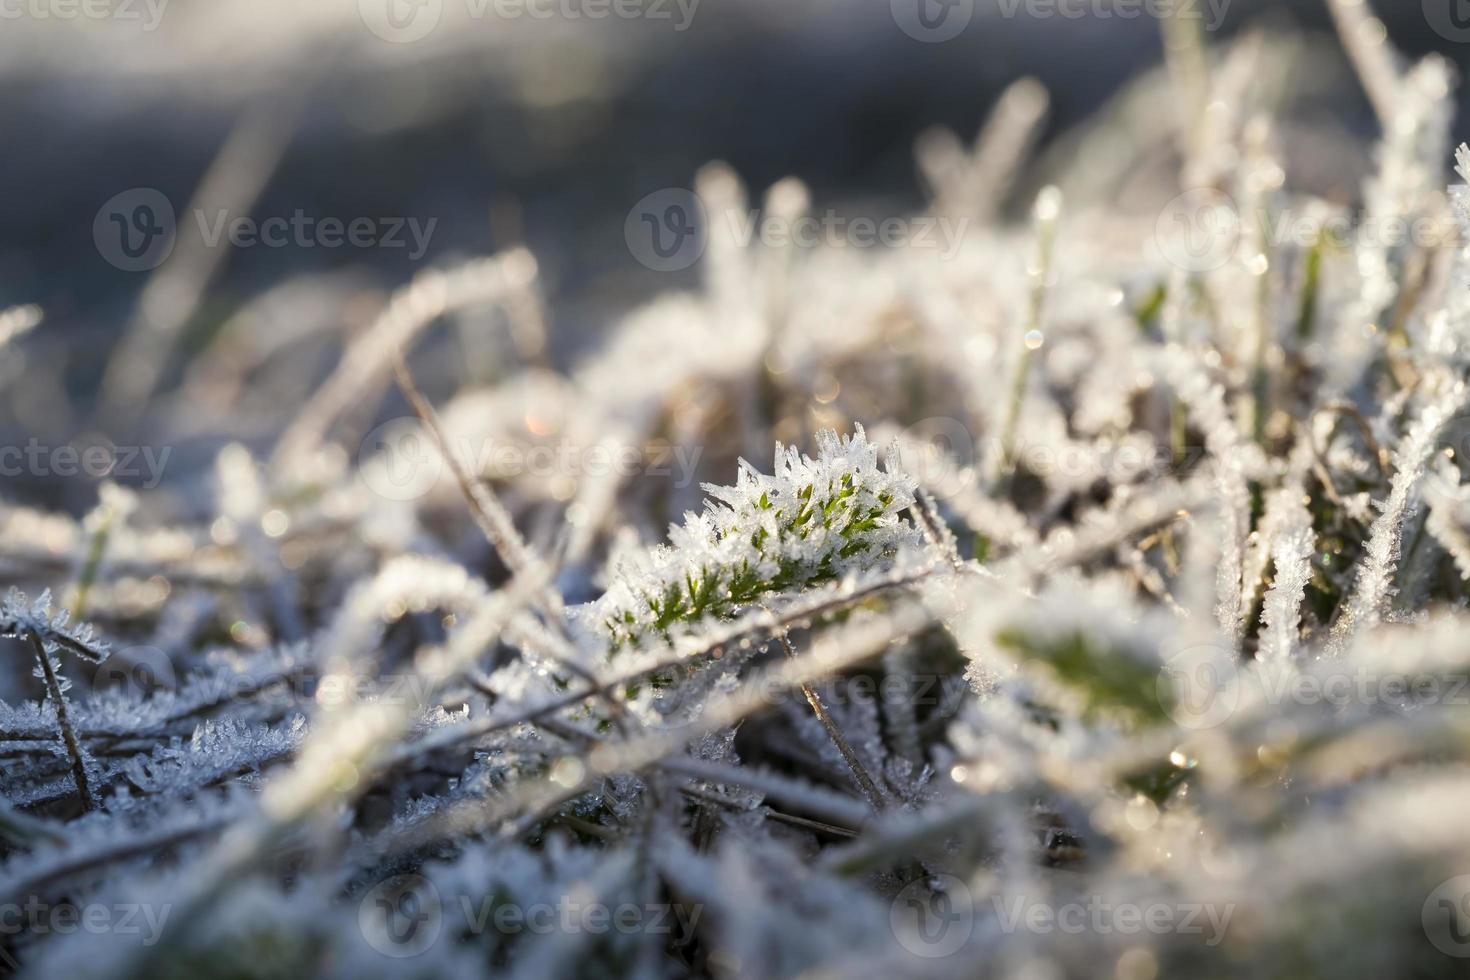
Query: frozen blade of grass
[727, 266]
[1448, 517]
[903, 833]
[1405, 186]
[1104, 528]
[831, 806]
[46, 633]
[1046, 214]
[91, 849]
[113, 505]
[484, 746]
[367, 363]
[1366, 41]
[1374, 578]
[940, 473]
[489, 514]
[18, 619]
[1189, 67]
[346, 746]
[1450, 329]
[1234, 460]
[22, 830]
[973, 186]
[936, 531]
[16, 321]
[875, 796]
[1234, 524]
[495, 523]
[901, 721]
[755, 626]
[1281, 612]
[235, 179]
[57, 696]
[835, 650]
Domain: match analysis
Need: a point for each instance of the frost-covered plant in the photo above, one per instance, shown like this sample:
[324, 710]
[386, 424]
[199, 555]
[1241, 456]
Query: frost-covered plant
[48, 633]
[35, 620]
[1160, 614]
[811, 521]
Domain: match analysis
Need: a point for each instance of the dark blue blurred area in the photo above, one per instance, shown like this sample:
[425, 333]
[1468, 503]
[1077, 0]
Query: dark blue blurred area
[544, 136]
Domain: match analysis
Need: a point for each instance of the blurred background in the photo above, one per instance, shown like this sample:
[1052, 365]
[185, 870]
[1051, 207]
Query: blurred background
[475, 125]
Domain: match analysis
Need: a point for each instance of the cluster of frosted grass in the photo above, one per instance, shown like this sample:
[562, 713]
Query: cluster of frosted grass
[1008, 704]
